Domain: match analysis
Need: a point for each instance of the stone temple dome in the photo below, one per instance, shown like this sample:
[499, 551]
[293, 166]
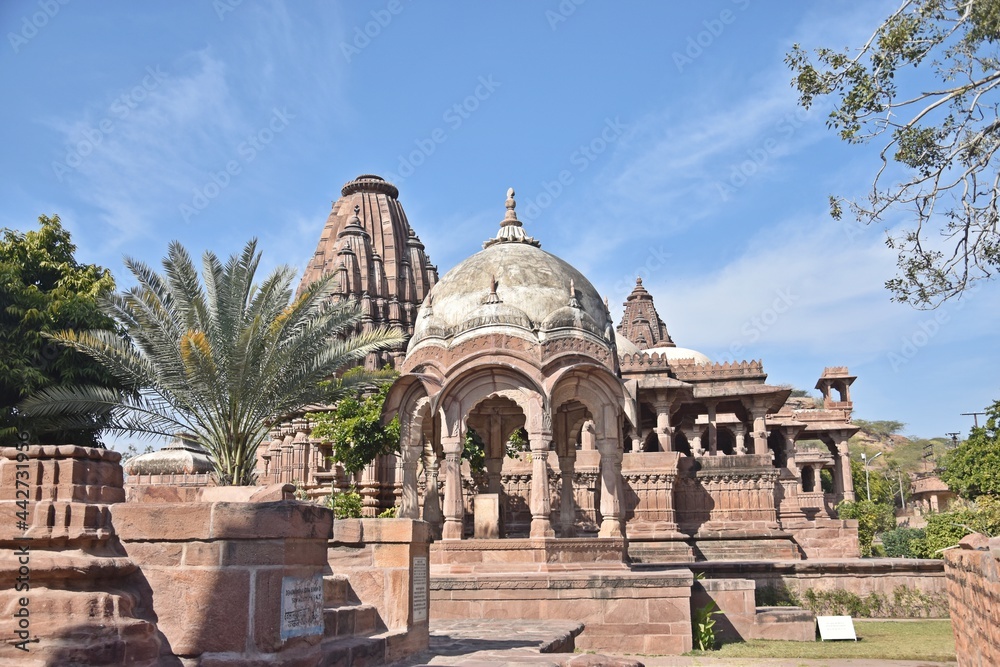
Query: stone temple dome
[512, 286]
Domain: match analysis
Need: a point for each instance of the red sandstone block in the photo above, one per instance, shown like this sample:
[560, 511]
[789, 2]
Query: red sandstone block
[343, 558]
[162, 521]
[166, 554]
[269, 520]
[192, 605]
[202, 553]
[392, 555]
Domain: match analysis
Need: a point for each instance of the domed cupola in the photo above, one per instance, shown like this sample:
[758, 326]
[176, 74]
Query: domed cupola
[512, 287]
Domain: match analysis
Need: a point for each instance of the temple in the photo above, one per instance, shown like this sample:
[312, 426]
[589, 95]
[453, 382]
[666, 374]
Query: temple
[628, 436]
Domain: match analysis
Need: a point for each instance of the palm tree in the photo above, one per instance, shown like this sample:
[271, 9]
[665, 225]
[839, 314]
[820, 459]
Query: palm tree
[224, 361]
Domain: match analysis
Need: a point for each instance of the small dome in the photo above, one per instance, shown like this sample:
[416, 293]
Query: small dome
[512, 282]
[678, 353]
[182, 456]
[624, 345]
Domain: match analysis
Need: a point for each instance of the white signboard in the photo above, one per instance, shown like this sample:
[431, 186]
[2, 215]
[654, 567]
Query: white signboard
[835, 627]
[301, 606]
[419, 589]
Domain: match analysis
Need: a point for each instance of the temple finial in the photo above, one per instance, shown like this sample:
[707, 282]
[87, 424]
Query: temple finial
[511, 230]
[573, 303]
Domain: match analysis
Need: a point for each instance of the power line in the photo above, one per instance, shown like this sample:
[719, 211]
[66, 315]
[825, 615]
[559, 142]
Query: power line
[974, 415]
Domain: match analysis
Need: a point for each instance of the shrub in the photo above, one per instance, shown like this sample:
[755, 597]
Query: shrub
[905, 602]
[872, 518]
[946, 529]
[346, 505]
[903, 542]
[703, 626]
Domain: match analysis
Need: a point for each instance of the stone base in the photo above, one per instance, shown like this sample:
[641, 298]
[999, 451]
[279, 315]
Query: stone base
[527, 555]
[660, 551]
[823, 537]
[622, 612]
[778, 547]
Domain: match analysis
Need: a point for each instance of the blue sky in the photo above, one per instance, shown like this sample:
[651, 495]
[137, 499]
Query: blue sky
[654, 139]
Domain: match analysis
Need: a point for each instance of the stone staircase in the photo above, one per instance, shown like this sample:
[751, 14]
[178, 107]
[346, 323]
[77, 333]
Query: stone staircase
[354, 634]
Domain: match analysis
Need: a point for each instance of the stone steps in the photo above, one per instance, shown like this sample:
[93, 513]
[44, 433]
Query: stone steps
[337, 590]
[351, 620]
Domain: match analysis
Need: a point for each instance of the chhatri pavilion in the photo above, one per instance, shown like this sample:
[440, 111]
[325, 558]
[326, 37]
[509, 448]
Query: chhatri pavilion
[629, 437]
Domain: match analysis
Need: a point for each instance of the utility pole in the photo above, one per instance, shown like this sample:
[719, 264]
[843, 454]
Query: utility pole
[974, 415]
[954, 439]
[868, 487]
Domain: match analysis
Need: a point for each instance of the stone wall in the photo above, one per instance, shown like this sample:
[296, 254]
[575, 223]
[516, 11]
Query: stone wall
[386, 564]
[215, 573]
[974, 596]
[862, 577]
[823, 538]
[622, 611]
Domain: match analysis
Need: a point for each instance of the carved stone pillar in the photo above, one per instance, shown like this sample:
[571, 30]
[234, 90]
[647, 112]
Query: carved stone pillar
[432, 497]
[567, 500]
[541, 507]
[409, 501]
[847, 482]
[611, 485]
[789, 435]
[713, 430]
[454, 509]
[759, 433]
[740, 432]
[664, 432]
[587, 436]
[695, 440]
[493, 469]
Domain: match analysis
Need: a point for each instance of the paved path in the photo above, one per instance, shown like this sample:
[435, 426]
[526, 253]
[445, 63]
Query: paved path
[497, 643]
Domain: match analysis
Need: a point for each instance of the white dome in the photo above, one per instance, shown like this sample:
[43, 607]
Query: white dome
[678, 353]
[516, 286]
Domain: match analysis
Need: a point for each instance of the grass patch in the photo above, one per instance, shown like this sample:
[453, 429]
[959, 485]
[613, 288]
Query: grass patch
[930, 640]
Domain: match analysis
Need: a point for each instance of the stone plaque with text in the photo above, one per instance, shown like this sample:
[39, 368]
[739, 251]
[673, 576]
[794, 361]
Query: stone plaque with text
[301, 606]
[420, 589]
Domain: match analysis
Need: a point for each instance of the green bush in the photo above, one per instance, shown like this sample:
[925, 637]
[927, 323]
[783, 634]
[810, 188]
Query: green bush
[703, 627]
[903, 542]
[346, 505]
[388, 513]
[946, 529]
[905, 602]
[872, 518]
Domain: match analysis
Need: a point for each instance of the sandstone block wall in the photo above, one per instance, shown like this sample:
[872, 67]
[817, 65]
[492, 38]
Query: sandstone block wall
[386, 562]
[974, 596]
[214, 571]
[622, 611]
[823, 538]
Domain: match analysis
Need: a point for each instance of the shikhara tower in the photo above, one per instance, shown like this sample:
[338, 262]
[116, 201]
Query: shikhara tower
[377, 258]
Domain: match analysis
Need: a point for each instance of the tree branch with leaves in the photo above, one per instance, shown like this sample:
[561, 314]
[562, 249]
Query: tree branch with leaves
[926, 84]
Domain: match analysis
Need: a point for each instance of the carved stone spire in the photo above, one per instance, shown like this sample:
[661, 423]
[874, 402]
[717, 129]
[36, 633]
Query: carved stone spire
[511, 230]
[641, 324]
[493, 297]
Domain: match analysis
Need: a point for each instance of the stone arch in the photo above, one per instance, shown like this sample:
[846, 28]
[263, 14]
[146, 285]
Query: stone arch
[776, 443]
[463, 393]
[725, 440]
[597, 389]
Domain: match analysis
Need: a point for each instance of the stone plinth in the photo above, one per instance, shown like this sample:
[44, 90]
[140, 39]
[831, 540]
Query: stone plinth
[216, 573]
[861, 576]
[528, 555]
[386, 563]
[824, 538]
[740, 619]
[487, 516]
[974, 597]
[65, 583]
[622, 611]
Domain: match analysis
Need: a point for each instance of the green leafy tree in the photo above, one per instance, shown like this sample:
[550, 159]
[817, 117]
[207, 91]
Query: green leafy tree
[973, 468]
[219, 356]
[902, 542]
[926, 85]
[872, 517]
[881, 488]
[44, 289]
[944, 530]
[355, 429]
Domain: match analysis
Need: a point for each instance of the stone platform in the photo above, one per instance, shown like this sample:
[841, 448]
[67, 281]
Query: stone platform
[494, 643]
